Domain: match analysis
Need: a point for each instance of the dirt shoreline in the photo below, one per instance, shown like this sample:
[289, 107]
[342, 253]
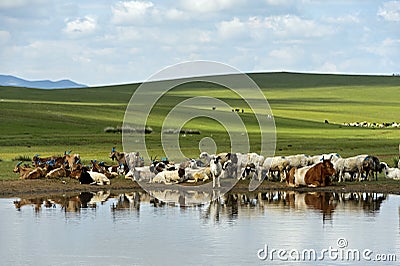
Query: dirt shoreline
[24, 188]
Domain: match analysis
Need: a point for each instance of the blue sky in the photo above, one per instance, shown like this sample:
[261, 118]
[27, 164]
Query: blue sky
[99, 42]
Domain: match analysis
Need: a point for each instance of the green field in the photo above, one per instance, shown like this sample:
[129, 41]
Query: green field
[51, 121]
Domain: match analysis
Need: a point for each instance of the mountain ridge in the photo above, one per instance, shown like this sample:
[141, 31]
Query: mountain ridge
[13, 81]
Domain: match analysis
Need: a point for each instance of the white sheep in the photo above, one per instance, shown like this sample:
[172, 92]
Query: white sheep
[224, 156]
[298, 160]
[351, 165]
[276, 163]
[318, 158]
[216, 170]
[391, 173]
[99, 178]
[195, 175]
[169, 177]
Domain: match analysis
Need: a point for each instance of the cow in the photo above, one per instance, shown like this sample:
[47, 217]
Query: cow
[317, 175]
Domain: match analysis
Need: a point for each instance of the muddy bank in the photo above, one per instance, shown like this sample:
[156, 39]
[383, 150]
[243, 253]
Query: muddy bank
[17, 188]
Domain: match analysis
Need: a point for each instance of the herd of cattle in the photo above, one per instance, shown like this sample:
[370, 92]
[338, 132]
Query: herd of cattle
[296, 170]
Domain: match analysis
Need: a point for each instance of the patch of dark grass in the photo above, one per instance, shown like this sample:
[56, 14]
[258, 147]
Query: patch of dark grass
[396, 161]
[23, 158]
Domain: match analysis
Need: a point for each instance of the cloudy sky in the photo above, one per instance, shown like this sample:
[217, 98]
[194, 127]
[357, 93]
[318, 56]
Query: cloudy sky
[99, 42]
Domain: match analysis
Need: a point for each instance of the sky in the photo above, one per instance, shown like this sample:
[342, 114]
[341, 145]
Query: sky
[102, 42]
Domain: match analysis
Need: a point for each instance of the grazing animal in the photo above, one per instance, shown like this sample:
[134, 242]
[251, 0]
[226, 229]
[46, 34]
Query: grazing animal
[351, 165]
[93, 178]
[298, 160]
[36, 173]
[224, 156]
[71, 159]
[169, 177]
[216, 170]
[312, 176]
[276, 163]
[318, 158]
[372, 165]
[250, 171]
[194, 176]
[76, 171]
[58, 172]
[23, 171]
[391, 173]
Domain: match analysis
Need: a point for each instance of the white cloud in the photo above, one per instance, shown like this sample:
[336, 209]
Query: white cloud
[7, 4]
[294, 26]
[176, 14]
[80, 26]
[4, 36]
[328, 67]
[287, 55]
[390, 11]
[346, 19]
[279, 2]
[206, 6]
[130, 12]
[231, 29]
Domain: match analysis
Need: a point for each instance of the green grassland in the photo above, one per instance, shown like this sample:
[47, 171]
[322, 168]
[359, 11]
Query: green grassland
[52, 121]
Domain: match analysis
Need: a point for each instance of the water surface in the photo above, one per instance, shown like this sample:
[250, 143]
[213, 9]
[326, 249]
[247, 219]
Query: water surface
[135, 229]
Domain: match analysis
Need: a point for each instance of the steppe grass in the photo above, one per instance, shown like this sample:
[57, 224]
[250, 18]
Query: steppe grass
[53, 121]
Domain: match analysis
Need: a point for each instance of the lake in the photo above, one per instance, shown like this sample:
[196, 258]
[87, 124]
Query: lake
[268, 228]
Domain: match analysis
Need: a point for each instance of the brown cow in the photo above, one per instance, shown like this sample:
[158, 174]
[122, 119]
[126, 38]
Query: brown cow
[317, 175]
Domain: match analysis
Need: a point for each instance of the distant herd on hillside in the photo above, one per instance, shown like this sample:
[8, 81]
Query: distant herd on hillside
[295, 170]
[373, 125]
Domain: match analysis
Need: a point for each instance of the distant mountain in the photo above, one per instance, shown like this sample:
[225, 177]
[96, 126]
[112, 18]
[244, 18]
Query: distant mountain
[7, 80]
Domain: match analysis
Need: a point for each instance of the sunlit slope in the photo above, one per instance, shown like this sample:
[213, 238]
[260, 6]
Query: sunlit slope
[34, 120]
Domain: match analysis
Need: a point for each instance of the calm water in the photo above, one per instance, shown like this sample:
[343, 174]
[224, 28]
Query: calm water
[239, 229]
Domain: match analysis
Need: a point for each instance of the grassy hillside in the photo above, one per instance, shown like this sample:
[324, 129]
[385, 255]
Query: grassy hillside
[51, 121]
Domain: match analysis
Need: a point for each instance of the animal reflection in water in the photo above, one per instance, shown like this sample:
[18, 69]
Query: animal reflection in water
[227, 206]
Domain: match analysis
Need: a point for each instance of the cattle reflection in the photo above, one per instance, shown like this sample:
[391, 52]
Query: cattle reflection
[227, 206]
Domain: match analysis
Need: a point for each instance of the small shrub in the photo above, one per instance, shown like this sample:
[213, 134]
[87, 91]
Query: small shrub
[23, 158]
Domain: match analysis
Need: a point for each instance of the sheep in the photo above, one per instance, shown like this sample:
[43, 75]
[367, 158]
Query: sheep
[193, 176]
[169, 177]
[352, 165]
[92, 178]
[133, 159]
[224, 156]
[391, 173]
[276, 163]
[298, 160]
[250, 171]
[255, 158]
[216, 170]
[318, 158]
[191, 163]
